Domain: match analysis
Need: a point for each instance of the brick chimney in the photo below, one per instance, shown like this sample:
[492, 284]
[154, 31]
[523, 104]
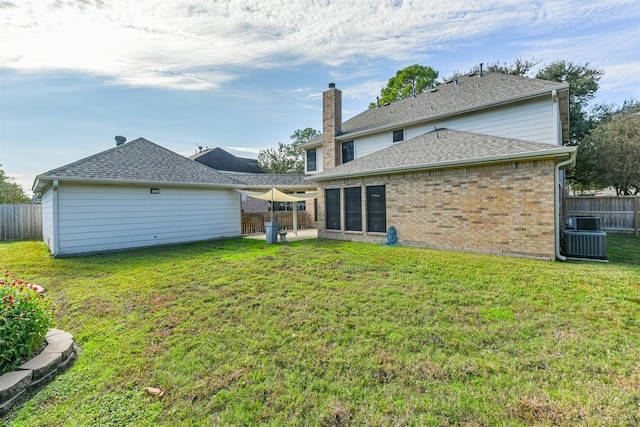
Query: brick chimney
[331, 126]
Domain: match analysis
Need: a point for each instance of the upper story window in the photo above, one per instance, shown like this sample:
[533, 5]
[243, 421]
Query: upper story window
[348, 151]
[311, 160]
[398, 135]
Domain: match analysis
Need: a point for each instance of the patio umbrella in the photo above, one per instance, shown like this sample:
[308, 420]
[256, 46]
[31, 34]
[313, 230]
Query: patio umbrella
[276, 195]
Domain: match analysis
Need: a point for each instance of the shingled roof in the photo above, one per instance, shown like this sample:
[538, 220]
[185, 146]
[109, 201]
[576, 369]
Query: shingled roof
[268, 180]
[462, 95]
[143, 162]
[443, 148]
[137, 161]
[221, 160]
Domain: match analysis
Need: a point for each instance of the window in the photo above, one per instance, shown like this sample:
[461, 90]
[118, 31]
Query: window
[332, 208]
[376, 209]
[353, 208]
[348, 153]
[398, 135]
[311, 160]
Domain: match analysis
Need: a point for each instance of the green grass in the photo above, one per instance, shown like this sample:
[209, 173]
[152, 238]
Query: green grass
[334, 333]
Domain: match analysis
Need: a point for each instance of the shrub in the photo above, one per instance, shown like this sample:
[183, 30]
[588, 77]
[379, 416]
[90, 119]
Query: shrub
[25, 316]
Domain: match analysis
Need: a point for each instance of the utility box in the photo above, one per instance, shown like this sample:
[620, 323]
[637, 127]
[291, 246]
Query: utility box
[590, 244]
[271, 229]
[584, 223]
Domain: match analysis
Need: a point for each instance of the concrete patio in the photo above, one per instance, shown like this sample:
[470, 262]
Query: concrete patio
[307, 233]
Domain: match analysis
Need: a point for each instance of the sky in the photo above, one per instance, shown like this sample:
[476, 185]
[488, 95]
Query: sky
[245, 74]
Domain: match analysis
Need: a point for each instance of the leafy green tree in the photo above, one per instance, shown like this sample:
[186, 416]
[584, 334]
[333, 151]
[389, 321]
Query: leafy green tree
[583, 85]
[519, 67]
[287, 158]
[10, 191]
[407, 82]
[611, 152]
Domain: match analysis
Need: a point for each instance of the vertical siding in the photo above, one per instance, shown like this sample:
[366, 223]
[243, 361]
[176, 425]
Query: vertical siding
[529, 121]
[100, 218]
[20, 221]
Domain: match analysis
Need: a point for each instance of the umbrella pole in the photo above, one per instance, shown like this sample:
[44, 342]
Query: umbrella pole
[271, 204]
[295, 218]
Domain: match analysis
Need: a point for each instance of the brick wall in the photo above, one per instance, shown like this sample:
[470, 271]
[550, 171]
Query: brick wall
[503, 209]
[331, 123]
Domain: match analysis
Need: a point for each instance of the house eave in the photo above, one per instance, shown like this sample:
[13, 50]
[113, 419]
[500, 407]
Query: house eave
[559, 154]
[41, 182]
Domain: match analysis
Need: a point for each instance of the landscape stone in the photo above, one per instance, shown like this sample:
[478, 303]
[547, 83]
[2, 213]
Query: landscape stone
[66, 347]
[55, 335]
[13, 383]
[43, 364]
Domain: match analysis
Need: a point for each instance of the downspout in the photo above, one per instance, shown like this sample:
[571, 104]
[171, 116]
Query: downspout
[557, 197]
[54, 202]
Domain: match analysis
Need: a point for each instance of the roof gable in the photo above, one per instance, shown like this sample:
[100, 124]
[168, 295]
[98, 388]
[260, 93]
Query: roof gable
[140, 161]
[443, 148]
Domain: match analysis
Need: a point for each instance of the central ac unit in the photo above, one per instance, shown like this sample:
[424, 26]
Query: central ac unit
[585, 244]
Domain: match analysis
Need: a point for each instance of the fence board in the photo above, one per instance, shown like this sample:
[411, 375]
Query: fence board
[20, 222]
[617, 213]
[253, 223]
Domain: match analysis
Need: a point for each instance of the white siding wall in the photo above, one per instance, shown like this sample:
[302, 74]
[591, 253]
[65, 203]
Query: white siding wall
[47, 219]
[529, 121]
[100, 218]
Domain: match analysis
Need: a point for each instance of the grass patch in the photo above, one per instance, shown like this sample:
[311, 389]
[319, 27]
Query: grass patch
[331, 333]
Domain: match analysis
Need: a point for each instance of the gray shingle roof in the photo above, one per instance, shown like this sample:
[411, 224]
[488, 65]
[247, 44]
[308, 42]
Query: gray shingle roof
[138, 160]
[441, 149]
[142, 161]
[267, 180]
[466, 93]
[221, 160]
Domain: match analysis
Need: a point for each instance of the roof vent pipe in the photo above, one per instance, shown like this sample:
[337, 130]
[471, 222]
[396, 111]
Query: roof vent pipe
[378, 101]
[481, 69]
[120, 140]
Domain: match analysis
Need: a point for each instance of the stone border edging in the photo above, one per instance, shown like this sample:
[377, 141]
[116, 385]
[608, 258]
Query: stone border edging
[56, 357]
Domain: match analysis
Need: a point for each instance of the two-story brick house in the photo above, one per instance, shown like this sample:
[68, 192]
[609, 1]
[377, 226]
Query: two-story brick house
[472, 165]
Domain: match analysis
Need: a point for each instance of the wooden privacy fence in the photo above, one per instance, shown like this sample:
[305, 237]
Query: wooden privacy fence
[253, 222]
[617, 213]
[19, 222]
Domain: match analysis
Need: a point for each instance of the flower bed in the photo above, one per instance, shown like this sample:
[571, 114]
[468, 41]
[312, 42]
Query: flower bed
[25, 317]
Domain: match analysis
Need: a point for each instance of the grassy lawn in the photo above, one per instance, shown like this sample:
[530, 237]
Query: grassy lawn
[332, 333]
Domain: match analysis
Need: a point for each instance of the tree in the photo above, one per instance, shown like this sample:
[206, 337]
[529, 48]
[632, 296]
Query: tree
[519, 67]
[407, 82]
[583, 85]
[10, 191]
[612, 152]
[287, 158]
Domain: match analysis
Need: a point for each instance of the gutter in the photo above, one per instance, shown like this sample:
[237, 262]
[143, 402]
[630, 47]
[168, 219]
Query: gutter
[41, 181]
[558, 212]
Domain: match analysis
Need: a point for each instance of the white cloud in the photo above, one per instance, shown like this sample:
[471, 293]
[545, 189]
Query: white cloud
[200, 44]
